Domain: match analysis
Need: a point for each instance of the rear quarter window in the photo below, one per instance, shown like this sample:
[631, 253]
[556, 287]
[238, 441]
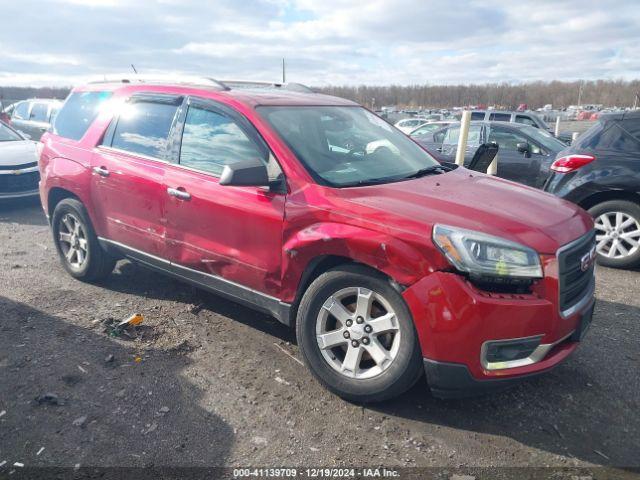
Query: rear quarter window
[632, 127]
[609, 136]
[78, 113]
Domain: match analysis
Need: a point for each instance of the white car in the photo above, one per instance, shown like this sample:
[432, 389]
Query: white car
[19, 175]
[409, 124]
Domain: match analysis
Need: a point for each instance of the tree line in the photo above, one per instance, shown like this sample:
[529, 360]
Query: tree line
[609, 93]
[13, 94]
[619, 93]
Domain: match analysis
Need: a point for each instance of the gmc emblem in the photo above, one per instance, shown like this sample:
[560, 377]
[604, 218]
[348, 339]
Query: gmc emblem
[587, 259]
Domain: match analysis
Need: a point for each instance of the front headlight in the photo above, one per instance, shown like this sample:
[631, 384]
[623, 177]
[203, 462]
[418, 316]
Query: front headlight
[485, 256]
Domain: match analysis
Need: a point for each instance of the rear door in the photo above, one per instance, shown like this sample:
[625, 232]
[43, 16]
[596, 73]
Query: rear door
[128, 173]
[224, 232]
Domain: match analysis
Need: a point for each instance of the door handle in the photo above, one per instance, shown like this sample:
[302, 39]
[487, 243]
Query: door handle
[179, 193]
[102, 171]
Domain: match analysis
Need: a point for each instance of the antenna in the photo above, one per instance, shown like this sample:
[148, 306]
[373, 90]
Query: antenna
[284, 77]
[134, 69]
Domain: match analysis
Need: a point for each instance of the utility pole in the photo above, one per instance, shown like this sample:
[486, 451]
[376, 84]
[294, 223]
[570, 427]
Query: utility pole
[635, 100]
[580, 92]
[284, 76]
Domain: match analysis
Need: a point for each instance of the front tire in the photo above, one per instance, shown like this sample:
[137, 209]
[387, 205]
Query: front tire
[357, 336]
[617, 224]
[77, 244]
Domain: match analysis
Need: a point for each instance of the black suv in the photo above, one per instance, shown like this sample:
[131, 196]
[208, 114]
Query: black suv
[601, 173]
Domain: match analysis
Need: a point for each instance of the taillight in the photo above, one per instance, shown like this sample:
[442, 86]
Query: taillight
[570, 163]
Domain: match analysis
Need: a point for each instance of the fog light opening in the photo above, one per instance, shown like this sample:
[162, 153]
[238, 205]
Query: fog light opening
[510, 350]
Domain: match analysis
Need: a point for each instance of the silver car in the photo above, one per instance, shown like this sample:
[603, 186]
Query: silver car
[33, 117]
[19, 174]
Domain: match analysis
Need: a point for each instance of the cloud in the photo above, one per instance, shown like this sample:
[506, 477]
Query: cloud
[324, 42]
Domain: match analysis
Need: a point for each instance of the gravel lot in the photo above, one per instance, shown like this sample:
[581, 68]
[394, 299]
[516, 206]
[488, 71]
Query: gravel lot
[210, 383]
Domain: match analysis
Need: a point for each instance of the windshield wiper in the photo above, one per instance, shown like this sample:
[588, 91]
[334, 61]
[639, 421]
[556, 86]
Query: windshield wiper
[423, 172]
[369, 181]
[433, 170]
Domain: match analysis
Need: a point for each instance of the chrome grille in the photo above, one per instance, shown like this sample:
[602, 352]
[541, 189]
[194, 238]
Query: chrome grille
[576, 281]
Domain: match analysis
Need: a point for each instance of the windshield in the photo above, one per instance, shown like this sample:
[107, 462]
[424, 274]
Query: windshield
[7, 134]
[347, 146]
[544, 138]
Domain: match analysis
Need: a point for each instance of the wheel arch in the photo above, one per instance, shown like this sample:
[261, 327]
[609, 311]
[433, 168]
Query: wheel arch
[601, 197]
[55, 196]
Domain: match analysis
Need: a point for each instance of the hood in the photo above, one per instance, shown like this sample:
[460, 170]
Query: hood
[471, 200]
[17, 153]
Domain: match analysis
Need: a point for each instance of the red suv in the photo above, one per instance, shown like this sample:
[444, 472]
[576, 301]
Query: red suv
[315, 210]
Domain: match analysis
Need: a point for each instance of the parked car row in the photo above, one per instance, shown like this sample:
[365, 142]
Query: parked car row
[525, 152]
[522, 117]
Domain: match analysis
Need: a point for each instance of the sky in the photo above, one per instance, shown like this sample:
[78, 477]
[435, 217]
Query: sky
[324, 42]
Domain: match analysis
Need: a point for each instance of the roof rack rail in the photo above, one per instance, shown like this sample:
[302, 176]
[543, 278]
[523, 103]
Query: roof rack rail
[290, 86]
[188, 80]
[207, 81]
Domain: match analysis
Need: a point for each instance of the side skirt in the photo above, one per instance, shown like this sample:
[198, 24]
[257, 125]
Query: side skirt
[212, 283]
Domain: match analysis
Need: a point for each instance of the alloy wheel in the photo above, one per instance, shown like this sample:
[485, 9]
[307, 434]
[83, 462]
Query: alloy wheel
[618, 235]
[73, 241]
[358, 332]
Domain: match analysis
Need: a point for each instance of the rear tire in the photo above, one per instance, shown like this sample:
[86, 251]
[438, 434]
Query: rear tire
[77, 244]
[370, 350]
[617, 233]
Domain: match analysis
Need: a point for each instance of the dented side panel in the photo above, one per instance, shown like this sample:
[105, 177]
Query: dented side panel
[314, 227]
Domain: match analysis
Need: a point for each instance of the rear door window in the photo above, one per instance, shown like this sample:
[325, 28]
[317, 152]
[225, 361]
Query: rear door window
[500, 117]
[77, 113]
[143, 127]
[451, 137]
[477, 115]
[39, 112]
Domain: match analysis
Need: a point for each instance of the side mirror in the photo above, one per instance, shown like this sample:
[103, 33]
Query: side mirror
[250, 173]
[523, 147]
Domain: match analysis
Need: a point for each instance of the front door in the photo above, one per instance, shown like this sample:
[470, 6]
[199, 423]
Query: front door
[128, 174]
[521, 167]
[225, 232]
